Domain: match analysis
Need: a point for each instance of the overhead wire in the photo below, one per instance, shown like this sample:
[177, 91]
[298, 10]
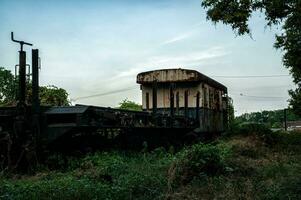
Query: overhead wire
[217, 76]
[252, 76]
[104, 93]
[263, 97]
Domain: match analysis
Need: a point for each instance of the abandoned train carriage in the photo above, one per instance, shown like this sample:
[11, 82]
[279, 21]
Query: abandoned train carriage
[176, 102]
[183, 92]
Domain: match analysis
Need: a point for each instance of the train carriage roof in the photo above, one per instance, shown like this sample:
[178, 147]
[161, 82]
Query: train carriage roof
[177, 75]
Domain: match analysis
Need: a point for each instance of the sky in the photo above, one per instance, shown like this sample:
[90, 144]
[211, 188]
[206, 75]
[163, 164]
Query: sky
[93, 47]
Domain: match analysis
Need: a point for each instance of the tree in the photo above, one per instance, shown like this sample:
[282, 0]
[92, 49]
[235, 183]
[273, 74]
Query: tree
[231, 116]
[237, 13]
[7, 89]
[49, 95]
[129, 105]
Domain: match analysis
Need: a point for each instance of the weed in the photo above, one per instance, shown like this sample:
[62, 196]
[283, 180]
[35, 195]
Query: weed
[198, 160]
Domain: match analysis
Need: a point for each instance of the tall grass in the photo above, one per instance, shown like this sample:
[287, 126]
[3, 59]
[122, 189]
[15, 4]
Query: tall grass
[253, 163]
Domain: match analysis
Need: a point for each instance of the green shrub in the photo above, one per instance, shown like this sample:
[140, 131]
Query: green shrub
[284, 139]
[198, 160]
[245, 129]
[284, 181]
[253, 128]
[103, 175]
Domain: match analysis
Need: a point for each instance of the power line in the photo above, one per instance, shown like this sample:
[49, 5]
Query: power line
[105, 93]
[261, 97]
[217, 76]
[252, 76]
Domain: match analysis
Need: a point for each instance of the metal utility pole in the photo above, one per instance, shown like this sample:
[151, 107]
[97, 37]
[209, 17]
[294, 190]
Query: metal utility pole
[285, 119]
[22, 72]
[35, 95]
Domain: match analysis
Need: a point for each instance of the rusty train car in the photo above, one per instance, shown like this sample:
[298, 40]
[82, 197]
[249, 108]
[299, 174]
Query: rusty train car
[178, 105]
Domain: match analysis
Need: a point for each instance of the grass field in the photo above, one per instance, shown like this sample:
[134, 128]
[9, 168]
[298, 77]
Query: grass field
[250, 164]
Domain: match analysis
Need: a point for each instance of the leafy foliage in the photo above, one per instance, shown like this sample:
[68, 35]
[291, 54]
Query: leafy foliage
[237, 13]
[49, 95]
[295, 101]
[129, 105]
[230, 110]
[7, 90]
[106, 175]
[198, 160]
[253, 128]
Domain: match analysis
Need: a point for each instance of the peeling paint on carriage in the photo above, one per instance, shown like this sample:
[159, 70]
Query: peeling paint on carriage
[177, 75]
[209, 91]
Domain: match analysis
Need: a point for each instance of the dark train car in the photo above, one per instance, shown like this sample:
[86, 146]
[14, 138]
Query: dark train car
[177, 104]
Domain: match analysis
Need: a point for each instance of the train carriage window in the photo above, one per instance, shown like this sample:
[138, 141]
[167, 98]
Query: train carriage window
[197, 99]
[186, 99]
[147, 100]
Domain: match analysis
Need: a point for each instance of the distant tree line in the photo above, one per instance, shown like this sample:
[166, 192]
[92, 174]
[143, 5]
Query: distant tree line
[273, 119]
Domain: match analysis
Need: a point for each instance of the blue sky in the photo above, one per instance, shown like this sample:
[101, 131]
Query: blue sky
[94, 47]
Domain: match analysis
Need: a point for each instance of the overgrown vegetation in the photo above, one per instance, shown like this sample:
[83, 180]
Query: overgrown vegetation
[106, 175]
[251, 163]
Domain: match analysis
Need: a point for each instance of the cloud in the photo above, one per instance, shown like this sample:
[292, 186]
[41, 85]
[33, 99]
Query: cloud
[174, 61]
[192, 57]
[185, 35]
[179, 38]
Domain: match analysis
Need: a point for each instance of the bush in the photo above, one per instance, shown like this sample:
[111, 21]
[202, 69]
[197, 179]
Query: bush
[284, 139]
[247, 129]
[199, 160]
[282, 180]
[253, 128]
[103, 175]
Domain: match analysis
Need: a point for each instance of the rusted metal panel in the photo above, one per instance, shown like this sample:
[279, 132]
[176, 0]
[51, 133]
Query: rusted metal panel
[168, 75]
[177, 75]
